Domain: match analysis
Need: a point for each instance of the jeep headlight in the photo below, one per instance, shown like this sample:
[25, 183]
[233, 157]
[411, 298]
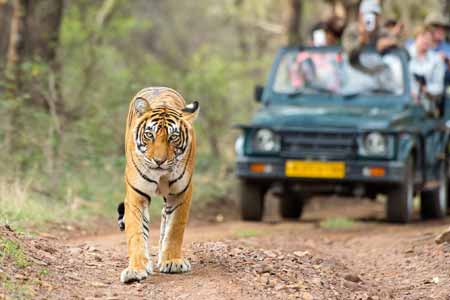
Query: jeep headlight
[265, 140]
[376, 144]
[239, 146]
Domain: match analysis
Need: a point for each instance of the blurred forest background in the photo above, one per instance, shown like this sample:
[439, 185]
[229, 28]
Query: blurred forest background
[70, 67]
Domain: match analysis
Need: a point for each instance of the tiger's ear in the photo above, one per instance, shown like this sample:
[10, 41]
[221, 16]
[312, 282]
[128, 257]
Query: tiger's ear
[141, 106]
[190, 111]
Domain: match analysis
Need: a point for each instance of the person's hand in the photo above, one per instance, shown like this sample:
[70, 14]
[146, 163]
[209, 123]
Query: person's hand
[443, 56]
[398, 29]
[445, 59]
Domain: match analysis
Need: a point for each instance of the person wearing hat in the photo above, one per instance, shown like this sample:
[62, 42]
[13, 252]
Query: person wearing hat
[439, 27]
[427, 71]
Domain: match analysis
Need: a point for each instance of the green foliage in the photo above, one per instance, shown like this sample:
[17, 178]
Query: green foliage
[43, 272]
[19, 204]
[15, 290]
[11, 250]
[248, 233]
[212, 80]
[76, 164]
[337, 223]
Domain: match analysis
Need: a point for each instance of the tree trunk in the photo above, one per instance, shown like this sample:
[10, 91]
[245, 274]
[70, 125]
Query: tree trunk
[446, 8]
[241, 31]
[294, 22]
[34, 37]
[6, 11]
[214, 145]
[16, 45]
[94, 40]
[14, 59]
[346, 9]
[44, 25]
[42, 45]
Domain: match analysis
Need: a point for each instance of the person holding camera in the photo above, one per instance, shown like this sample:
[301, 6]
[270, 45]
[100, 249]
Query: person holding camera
[427, 71]
[367, 32]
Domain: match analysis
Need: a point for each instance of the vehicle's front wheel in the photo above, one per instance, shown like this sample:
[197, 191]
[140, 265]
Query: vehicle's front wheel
[433, 203]
[252, 200]
[291, 205]
[400, 200]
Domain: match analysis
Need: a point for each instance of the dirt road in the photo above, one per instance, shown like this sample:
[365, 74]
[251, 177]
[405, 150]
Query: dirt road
[368, 259]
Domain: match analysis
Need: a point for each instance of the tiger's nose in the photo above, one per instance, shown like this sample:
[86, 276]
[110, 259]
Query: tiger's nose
[159, 161]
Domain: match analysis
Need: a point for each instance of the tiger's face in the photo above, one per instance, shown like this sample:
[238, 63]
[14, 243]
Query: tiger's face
[161, 135]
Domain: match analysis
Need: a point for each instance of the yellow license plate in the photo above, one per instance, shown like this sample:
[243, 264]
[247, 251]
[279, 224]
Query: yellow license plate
[315, 169]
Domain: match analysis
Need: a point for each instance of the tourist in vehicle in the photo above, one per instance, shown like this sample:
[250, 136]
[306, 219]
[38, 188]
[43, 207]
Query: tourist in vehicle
[369, 21]
[367, 32]
[318, 36]
[327, 33]
[440, 26]
[427, 70]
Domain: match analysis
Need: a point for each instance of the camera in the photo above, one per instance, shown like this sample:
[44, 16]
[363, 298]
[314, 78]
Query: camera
[370, 21]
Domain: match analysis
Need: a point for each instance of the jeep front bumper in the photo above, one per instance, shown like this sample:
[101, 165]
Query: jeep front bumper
[364, 171]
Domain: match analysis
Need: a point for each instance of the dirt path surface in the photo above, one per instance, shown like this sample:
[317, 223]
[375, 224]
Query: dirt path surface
[235, 260]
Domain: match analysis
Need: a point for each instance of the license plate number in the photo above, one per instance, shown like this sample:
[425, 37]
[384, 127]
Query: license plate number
[315, 169]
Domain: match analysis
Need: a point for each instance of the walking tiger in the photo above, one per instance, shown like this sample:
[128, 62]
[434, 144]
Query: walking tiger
[160, 149]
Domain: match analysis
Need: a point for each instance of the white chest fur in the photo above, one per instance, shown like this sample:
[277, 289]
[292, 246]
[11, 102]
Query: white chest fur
[159, 182]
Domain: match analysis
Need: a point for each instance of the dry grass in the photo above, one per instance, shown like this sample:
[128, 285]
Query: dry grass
[19, 205]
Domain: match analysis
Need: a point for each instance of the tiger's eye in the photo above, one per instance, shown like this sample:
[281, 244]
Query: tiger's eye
[173, 136]
[148, 135]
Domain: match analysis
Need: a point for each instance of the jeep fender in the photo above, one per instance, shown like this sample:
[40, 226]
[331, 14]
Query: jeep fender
[409, 144]
[445, 146]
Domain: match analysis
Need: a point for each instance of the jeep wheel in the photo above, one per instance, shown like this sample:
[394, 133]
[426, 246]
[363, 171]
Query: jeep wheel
[291, 205]
[252, 200]
[433, 203]
[399, 206]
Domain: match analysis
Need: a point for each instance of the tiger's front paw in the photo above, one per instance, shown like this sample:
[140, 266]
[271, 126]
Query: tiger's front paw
[131, 275]
[179, 265]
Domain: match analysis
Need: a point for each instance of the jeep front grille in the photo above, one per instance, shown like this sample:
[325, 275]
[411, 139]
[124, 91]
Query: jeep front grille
[318, 145]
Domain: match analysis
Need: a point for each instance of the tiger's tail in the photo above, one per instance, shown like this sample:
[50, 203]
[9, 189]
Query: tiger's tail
[121, 213]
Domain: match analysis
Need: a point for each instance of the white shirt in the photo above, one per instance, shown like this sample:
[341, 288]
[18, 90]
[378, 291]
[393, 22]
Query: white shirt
[431, 67]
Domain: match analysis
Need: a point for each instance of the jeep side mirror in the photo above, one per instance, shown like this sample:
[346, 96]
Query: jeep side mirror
[259, 89]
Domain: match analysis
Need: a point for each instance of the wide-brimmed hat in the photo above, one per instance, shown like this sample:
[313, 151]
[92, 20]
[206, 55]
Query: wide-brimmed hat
[437, 19]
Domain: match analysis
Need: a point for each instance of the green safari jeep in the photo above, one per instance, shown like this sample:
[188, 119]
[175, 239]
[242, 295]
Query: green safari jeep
[329, 125]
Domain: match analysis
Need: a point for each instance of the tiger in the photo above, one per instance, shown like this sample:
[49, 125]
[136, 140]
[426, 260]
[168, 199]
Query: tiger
[160, 144]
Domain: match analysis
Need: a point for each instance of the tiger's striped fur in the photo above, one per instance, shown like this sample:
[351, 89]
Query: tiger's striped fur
[160, 153]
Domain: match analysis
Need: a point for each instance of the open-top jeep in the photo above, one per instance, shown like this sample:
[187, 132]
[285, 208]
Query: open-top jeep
[329, 125]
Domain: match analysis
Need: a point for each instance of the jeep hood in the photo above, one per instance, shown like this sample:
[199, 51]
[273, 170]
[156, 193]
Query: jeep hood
[351, 116]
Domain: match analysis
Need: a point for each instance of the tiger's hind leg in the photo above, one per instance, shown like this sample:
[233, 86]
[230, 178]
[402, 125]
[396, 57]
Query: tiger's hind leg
[137, 233]
[175, 215]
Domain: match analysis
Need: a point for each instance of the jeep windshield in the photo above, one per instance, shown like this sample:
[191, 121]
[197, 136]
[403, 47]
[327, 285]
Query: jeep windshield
[328, 71]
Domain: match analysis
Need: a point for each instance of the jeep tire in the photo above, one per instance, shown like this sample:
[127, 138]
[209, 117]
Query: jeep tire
[400, 199]
[433, 203]
[291, 205]
[251, 196]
